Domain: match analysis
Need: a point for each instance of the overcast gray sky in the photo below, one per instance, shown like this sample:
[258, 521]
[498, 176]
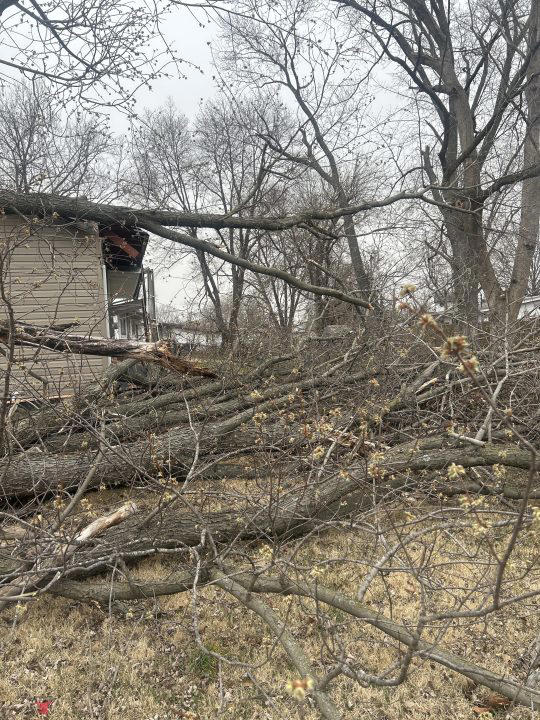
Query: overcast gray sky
[175, 284]
[190, 40]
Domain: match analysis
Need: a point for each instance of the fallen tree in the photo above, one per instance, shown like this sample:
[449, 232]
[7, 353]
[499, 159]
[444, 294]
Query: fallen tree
[329, 446]
[223, 416]
[159, 222]
[161, 352]
[185, 578]
[292, 512]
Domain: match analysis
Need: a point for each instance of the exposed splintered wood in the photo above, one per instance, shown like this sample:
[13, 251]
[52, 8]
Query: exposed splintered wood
[99, 526]
[38, 572]
[284, 515]
[161, 352]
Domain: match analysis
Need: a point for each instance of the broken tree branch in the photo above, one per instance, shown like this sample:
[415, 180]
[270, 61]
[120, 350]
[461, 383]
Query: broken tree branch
[161, 352]
[182, 582]
[42, 571]
[40, 205]
[207, 247]
[293, 649]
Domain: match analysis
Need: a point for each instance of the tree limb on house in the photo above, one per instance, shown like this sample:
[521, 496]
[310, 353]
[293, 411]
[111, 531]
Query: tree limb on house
[159, 222]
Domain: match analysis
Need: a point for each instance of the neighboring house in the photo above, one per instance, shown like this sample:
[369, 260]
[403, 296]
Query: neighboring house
[135, 319]
[55, 272]
[530, 307]
[190, 334]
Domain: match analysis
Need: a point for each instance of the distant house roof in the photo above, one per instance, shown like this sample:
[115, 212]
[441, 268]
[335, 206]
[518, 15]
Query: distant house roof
[529, 306]
[189, 326]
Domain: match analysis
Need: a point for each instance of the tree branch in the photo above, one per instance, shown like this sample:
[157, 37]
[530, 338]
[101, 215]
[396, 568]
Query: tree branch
[161, 352]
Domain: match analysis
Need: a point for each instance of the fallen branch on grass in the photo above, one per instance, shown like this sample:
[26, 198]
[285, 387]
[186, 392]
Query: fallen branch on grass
[41, 573]
[260, 584]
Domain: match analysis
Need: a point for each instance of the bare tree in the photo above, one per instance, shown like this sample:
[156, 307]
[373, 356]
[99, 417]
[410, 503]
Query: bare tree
[337, 518]
[277, 46]
[470, 72]
[43, 150]
[530, 191]
[316, 253]
[220, 163]
[166, 167]
[99, 51]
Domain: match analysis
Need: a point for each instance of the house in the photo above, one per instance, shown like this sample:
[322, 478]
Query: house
[55, 272]
[190, 335]
[530, 307]
[134, 319]
[528, 310]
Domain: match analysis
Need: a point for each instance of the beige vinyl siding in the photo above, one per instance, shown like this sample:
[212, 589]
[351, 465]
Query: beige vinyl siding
[52, 274]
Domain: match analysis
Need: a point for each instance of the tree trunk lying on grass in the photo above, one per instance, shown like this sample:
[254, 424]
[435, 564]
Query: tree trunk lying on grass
[240, 392]
[183, 581]
[280, 515]
[81, 411]
[38, 571]
[161, 352]
[38, 472]
[157, 414]
[314, 501]
[294, 513]
[125, 456]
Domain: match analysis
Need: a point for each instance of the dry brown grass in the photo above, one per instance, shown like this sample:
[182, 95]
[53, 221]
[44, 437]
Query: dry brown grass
[140, 661]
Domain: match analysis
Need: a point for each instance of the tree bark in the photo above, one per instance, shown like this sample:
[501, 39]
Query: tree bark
[161, 352]
[158, 413]
[530, 189]
[461, 231]
[363, 280]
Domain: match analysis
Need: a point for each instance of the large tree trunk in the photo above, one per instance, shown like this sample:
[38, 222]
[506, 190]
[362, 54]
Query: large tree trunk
[464, 269]
[37, 473]
[160, 412]
[530, 190]
[299, 509]
[361, 275]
